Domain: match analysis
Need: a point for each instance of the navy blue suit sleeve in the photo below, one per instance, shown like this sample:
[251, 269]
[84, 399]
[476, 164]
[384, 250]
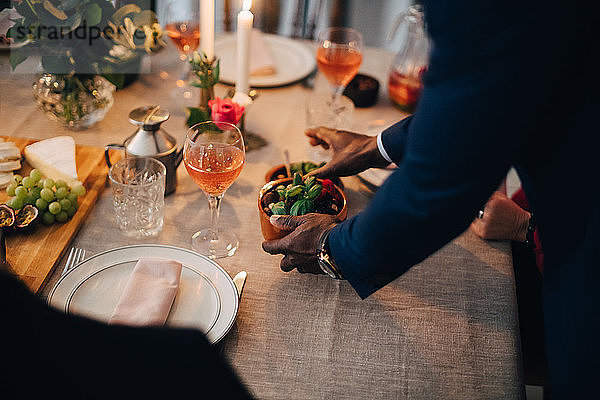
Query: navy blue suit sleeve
[394, 140]
[458, 145]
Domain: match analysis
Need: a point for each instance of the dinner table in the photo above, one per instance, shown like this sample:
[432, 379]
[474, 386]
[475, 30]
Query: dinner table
[446, 329]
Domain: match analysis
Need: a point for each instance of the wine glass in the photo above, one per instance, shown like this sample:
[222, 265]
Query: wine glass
[182, 25]
[339, 57]
[214, 155]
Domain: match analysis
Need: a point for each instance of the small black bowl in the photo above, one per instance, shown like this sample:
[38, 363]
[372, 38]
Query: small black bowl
[362, 90]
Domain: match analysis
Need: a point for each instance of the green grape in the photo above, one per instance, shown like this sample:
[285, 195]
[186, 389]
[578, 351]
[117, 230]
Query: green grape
[47, 194]
[21, 192]
[61, 192]
[36, 175]
[62, 216]
[54, 207]
[16, 203]
[65, 203]
[72, 197]
[41, 204]
[10, 189]
[28, 182]
[71, 211]
[60, 183]
[49, 183]
[36, 192]
[48, 218]
[78, 189]
[29, 199]
[17, 178]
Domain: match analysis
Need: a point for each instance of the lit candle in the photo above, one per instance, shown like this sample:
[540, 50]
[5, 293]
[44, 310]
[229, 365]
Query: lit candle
[244, 26]
[207, 28]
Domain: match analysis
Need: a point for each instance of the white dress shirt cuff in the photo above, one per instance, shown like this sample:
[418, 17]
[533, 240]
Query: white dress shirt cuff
[384, 153]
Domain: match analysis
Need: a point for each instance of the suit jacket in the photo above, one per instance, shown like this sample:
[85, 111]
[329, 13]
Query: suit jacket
[48, 354]
[509, 84]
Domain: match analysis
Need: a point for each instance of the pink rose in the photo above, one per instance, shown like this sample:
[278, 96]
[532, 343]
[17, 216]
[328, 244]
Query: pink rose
[225, 110]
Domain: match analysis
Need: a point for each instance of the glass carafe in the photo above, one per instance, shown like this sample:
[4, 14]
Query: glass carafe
[410, 63]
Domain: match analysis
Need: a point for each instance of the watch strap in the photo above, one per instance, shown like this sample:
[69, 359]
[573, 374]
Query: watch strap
[325, 259]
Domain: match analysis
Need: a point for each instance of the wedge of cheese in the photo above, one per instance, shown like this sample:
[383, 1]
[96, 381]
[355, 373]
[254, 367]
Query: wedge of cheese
[55, 158]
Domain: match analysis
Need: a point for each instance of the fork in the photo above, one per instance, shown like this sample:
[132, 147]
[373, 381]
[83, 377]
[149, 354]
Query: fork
[75, 256]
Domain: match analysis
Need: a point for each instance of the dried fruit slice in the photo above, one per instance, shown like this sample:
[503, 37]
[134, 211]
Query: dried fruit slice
[7, 216]
[26, 217]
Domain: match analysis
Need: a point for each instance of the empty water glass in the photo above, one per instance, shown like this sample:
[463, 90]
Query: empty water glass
[138, 186]
[318, 113]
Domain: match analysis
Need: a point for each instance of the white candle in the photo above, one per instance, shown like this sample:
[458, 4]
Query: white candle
[207, 28]
[244, 26]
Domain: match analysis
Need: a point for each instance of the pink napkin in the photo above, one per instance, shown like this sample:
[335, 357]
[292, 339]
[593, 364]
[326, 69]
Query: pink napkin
[260, 62]
[149, 293]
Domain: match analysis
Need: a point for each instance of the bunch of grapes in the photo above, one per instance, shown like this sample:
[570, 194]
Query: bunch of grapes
[56, 201]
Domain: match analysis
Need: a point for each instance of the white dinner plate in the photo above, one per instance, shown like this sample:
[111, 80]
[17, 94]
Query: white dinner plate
[376, 176]
[293, 61]
[207, 298]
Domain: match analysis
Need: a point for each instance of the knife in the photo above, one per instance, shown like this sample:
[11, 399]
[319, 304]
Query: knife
[239, 280]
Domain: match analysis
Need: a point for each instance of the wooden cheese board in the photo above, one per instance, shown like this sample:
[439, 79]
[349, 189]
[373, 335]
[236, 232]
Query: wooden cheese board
[33, 255]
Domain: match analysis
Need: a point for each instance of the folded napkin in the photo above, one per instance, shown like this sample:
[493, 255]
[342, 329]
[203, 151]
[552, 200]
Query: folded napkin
[149, 293]
[260, 62]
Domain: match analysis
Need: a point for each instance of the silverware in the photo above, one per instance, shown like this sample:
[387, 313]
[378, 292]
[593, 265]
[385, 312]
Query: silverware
[75, 257]
[240, 280]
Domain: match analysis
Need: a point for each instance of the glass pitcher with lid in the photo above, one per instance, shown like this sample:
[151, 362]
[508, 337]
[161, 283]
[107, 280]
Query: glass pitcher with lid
[410, 63]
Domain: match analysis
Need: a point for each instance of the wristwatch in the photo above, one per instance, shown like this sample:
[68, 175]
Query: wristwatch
[324, 258]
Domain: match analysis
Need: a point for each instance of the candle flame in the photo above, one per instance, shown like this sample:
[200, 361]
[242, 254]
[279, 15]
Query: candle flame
[246, 5]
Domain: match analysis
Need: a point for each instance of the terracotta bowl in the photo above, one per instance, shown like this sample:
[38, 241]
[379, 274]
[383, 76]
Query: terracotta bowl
[277, 172]
[269, 231]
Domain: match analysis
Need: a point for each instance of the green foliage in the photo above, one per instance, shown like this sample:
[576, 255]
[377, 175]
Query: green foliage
[84, 36]
[304, 167]
[206, 72]
[196, 115]
[297, 198]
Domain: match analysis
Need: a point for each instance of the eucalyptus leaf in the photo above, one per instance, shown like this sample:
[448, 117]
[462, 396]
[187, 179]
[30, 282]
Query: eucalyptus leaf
[93, 14]
[67, 5]
[17, 56]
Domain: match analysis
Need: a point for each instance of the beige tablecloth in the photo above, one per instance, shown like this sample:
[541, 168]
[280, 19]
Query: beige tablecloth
[446, 329]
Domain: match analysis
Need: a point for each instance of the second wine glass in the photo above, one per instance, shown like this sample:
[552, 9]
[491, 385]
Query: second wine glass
[182, 25]
[214, 155]
[339, 56]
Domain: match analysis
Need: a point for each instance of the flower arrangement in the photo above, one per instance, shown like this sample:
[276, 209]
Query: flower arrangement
[206, 76]
[83, 37]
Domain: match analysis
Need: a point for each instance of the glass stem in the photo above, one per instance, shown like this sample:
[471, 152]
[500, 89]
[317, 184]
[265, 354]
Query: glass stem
[214, 205]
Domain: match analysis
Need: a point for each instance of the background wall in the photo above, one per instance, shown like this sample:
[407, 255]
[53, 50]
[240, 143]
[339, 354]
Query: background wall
[373, 18]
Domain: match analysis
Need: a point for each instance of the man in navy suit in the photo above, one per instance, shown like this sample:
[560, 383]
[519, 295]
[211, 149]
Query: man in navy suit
[508, 84]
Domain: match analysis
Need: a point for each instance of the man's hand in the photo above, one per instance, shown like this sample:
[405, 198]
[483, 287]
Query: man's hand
[352, 152]
[502, 219]
[300, 246]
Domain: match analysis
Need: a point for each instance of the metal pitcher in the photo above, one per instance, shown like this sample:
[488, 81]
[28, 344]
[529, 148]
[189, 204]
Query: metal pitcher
[150, 140]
